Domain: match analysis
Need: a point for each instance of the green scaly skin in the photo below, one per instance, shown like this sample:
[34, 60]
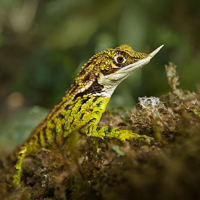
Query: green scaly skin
[83, 104]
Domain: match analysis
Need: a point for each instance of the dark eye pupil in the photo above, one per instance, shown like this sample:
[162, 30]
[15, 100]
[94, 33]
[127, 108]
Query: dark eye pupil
[120, 59]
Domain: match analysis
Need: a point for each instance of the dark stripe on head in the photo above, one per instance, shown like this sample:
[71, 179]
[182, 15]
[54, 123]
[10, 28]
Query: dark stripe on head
[93, 89]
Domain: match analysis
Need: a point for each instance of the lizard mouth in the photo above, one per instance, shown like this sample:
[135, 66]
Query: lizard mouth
[137, 65]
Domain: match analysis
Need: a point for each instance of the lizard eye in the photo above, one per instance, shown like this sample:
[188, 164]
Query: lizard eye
[120, 59]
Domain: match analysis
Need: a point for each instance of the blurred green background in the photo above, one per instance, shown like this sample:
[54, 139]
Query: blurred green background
[43, 45]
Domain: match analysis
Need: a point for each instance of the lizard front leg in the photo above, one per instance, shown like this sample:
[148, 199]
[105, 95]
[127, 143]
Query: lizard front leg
[108, 132]
[92, 129]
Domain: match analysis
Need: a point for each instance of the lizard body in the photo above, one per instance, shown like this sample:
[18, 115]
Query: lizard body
[84, 102]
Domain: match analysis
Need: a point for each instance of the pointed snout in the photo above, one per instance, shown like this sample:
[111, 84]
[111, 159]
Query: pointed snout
[152, 54]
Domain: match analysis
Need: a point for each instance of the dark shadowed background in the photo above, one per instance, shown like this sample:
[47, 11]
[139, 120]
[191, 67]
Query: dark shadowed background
[43, 45]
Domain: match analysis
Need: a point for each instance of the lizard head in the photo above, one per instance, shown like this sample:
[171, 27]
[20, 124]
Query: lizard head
[104, 71]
